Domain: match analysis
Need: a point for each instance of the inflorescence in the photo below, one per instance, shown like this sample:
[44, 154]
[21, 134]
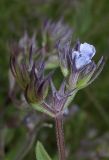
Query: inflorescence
[29, 62]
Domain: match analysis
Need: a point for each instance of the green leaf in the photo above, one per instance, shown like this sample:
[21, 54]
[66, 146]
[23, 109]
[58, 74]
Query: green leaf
[41, 153]
[39, 108]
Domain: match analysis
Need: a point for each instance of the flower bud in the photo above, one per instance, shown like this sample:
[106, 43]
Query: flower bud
[19, 69]
[37, 89]
[21, 60]
[64, 49]
[85, 75]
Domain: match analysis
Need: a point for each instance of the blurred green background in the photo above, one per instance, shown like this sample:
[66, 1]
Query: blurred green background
[87, 128]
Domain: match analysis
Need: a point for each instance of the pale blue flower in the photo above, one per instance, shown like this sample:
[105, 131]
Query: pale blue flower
[84, 55]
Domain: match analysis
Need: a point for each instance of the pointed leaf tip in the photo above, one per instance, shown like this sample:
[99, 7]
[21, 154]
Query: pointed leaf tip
[41, 153]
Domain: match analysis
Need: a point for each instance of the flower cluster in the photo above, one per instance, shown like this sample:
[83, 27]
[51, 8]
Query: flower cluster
[28, 64]
[28, 69]
[77, 64]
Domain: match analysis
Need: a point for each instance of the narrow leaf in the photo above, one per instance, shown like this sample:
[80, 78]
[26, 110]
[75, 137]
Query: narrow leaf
[41, 153]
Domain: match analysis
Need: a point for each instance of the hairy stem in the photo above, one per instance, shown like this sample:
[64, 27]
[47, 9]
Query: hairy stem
[60, 136]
